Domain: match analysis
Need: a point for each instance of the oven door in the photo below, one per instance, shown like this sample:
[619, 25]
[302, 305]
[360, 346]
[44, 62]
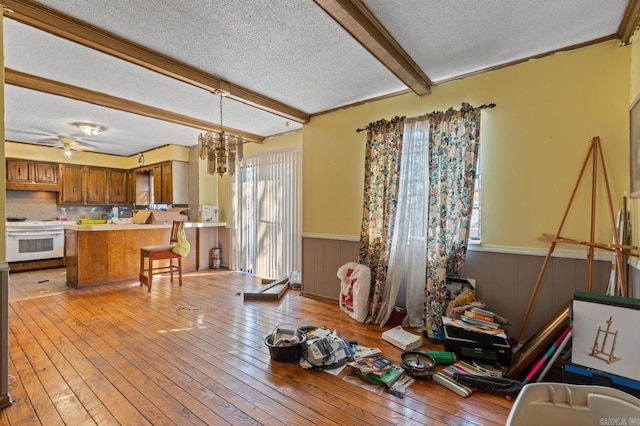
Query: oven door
[34, 245]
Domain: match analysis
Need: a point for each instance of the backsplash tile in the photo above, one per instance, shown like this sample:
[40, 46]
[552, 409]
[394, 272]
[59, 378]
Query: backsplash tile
[41, 205]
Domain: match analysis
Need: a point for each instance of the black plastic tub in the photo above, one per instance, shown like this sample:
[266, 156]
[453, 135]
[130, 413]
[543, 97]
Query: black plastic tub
[289, 354]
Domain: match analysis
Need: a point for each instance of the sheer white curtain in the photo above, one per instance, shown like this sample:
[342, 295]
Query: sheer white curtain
[266, 193]
[408, 257]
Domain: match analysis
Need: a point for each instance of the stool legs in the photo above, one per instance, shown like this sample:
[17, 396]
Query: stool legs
[146, 278]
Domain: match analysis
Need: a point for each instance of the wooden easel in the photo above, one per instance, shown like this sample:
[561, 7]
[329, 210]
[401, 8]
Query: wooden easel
[594, 152]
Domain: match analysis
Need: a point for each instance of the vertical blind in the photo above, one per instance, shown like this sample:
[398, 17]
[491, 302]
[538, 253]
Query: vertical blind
[268, 220]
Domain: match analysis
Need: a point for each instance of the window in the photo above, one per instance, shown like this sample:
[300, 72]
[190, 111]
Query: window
[474, 227]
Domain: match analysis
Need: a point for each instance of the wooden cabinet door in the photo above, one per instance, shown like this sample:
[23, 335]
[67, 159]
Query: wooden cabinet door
[118, 186]
[157, 184]
[19, 171]
[72, 177]
[167, 180]
[96, 189]
[45, 172]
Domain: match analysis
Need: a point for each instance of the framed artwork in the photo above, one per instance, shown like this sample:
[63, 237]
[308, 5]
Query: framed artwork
[605, 334]
[634, 149]
[539, 342]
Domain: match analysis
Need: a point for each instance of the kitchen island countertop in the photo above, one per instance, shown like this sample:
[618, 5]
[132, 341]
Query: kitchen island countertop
[71, 226]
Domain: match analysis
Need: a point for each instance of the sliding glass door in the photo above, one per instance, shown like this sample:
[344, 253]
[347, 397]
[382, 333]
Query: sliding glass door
[267, 217]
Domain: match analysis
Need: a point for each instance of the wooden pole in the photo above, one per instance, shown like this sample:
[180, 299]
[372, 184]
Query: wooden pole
[592, 233]
[553, 245]
[616, 239]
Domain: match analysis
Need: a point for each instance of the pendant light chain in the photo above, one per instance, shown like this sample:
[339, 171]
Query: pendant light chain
[221, 129]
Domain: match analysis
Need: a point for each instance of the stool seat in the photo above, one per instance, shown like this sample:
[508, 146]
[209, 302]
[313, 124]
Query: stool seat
[160, 252]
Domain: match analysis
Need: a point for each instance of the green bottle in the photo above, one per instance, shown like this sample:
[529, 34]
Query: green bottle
[442, 357]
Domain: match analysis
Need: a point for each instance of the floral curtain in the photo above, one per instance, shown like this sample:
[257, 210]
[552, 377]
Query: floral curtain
[381, 176]
[408, 256]
[452, 156]
[454, 142]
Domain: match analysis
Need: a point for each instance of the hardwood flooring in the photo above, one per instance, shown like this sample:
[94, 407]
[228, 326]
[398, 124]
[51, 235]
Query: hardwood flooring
[196, 355]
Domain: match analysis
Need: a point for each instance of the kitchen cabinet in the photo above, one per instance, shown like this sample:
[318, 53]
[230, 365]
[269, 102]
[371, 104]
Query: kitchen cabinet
[118, 190]
[19, 171]
[84, 185]
[45, 172]
[170, 183]
[72, 184]
[31, 175]
[157, 185]
[96, 185]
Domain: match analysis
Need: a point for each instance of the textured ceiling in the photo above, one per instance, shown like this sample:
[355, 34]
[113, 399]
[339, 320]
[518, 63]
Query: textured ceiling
[292, 52]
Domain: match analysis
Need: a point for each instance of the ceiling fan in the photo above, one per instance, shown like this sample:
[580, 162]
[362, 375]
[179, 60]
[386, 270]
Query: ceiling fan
[68, 143]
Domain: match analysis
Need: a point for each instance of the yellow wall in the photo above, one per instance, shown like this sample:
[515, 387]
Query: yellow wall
[533, 145]
[56, 155]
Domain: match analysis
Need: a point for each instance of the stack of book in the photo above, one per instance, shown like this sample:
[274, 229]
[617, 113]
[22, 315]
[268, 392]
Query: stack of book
[484, 318]
[481, 320]
[376, 365]
[377, 369]
[446, 377]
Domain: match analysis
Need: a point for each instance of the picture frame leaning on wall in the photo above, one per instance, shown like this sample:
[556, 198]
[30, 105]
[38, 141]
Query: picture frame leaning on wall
[634, 148]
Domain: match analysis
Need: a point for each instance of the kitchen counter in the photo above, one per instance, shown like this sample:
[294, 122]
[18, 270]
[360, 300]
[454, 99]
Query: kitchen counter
[106, 253]
[135, 226]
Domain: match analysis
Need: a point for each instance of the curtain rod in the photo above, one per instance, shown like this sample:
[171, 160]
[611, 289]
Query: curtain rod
[485, 106]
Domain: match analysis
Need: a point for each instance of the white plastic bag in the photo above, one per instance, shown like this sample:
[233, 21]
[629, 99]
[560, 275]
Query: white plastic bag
[355, 283]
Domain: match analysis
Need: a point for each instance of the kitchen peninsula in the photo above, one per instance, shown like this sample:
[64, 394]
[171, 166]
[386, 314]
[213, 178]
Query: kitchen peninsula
[106, 253]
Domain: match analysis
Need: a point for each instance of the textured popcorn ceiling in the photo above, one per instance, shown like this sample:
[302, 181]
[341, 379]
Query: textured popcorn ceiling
[289, 51]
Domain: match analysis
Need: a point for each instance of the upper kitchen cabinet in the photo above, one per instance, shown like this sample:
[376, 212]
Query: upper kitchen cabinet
[19, 171]
[27, 175]
[171, 183]
[97, 185]
[118, 189]
[84, 185]
[45, 172]
[72, 191]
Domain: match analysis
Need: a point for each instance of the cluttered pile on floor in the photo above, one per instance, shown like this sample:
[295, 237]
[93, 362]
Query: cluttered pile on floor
[481, 356]
[322, 349]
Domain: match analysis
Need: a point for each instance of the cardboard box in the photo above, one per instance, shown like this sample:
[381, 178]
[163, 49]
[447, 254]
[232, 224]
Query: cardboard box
[208, 214]
[159, 217]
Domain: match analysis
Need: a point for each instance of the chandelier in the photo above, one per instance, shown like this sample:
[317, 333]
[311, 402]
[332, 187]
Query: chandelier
[219, 148]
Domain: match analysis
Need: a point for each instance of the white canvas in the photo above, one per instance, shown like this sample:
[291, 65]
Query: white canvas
[620, 351]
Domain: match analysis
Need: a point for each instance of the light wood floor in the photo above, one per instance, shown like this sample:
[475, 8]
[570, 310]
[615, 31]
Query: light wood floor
[196, 355]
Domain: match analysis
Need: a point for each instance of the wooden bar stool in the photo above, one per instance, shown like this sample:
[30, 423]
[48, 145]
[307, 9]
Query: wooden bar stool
[161, 252]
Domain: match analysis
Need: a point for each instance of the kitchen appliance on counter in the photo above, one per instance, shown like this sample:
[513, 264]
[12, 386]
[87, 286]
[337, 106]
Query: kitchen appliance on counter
[34, 240]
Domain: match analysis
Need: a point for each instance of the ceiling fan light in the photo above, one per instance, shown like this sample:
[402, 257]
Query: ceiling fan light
[89, 129]
[67, 152]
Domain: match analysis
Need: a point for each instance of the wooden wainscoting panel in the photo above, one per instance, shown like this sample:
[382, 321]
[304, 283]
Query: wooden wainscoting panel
[332, 260]
[309, 262]
[321, 260]
[563, 270]
[528, 270]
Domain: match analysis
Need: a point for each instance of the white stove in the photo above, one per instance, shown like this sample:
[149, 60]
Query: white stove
[34, 240]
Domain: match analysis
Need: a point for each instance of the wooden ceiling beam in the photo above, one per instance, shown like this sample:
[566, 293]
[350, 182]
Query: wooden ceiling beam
[61, 25]
[358, 20]
[40, 84]
[629, 22]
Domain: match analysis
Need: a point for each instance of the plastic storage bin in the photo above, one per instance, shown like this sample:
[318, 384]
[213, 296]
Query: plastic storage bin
[564, 404]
